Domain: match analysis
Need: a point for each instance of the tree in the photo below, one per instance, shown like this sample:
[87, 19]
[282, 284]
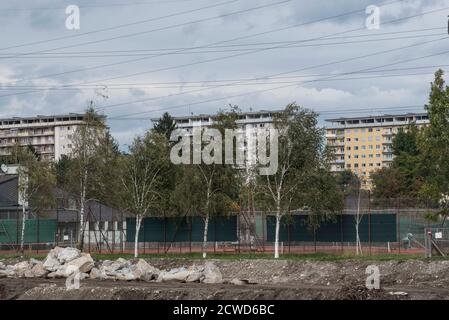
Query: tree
[36, 185]
[302, 179]
[85, 161]
[434, 144]
[405, 176]
[165, 125]
[209, 188]
[143, 178]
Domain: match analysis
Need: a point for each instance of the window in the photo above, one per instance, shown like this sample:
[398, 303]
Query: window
[356, 165]
[356, 139]
[348, 139]
[356, 148]
[363, 156]
[363, 164]
[363, 147]
[370, 129]
[378, 138]
[356, 156]
[371, 147]
[378, 155]
[371, 156]
[348, 166]
[378, 147]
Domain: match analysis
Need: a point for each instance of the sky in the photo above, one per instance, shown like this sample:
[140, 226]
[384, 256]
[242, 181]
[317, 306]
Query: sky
[139, 58]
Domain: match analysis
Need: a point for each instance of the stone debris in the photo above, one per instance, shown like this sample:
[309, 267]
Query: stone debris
[398, 293]
[66, 262]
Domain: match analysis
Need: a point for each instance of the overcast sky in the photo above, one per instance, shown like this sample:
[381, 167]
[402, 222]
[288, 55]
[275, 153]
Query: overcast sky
[197, 56]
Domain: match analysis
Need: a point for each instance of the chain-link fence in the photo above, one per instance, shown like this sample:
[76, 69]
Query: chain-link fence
[367, 226]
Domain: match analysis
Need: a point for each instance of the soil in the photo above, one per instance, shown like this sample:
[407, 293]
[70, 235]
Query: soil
[267, 279]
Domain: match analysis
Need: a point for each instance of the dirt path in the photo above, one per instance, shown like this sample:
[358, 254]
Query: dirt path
[47, 289]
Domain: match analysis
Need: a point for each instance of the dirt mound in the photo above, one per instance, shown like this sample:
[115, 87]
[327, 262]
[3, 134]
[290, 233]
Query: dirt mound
[356, 291]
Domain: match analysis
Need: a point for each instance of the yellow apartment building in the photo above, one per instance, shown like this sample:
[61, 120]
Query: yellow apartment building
[363, 144]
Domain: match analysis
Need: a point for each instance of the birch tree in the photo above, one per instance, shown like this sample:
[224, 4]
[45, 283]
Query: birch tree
[143, 177]
[85, 161]
[302, 179]
[36, 186]
[209, 188]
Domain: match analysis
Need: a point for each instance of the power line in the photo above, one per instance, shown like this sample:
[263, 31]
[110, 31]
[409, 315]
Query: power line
[73, 55]
[279, 74]
[221, 42]
[117, 26]
[100, 5]
[227, 41]
[279, 87]
[8, 55]
[173, 26]
[145, 58]
[240, 84]
[183, 83]
[168, 68]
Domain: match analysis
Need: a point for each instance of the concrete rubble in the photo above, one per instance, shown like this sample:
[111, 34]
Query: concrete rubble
[66, 262]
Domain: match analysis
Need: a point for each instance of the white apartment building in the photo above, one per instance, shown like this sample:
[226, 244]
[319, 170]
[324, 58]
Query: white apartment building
[247, 122]
[51, 136]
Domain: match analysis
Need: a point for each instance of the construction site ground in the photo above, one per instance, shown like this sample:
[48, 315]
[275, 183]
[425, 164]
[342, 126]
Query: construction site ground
[263, 278]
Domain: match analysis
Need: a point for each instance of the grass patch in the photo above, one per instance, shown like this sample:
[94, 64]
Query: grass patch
[244, 256]
[268, 256]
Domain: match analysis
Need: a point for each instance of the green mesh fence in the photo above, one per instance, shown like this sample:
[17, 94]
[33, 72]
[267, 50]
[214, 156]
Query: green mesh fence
[374, 227]
[182, 229]
[36, 231]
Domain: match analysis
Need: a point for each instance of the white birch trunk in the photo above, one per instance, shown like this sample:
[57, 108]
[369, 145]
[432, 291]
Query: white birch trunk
[136, 237]
[82, 202]
[22, 237]
[206, 229]
[81, 231]
[276, 239]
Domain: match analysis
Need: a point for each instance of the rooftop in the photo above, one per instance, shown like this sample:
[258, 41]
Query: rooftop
[41, 119]
[410, 114]
[199, 116]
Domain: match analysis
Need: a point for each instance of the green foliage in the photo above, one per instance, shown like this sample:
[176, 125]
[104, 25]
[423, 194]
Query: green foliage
[165, 125]
[303, 179]
[209, 189]
[142, 175]
[37, 180]
[435, 140]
